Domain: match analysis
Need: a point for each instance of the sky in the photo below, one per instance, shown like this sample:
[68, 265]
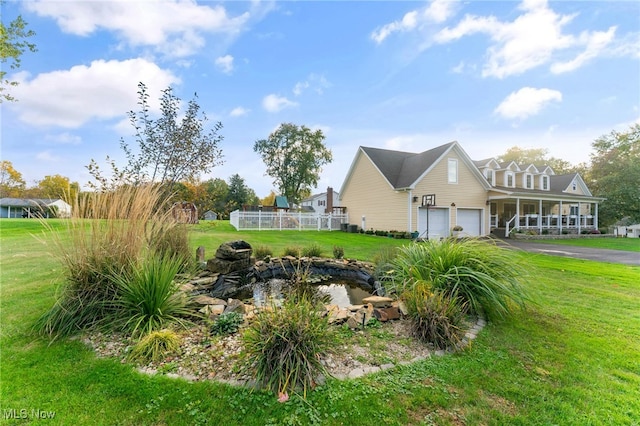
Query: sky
[401, 75]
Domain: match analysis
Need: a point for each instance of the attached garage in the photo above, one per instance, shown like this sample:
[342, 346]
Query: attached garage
[471, 221]
[438, 225]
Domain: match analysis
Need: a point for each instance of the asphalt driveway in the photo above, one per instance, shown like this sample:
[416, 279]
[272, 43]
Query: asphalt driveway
[601, 255]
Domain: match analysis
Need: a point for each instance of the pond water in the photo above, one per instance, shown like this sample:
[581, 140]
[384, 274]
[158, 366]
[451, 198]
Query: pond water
[341, 294]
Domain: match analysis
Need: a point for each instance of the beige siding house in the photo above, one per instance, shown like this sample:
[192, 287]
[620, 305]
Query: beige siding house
[431, 192]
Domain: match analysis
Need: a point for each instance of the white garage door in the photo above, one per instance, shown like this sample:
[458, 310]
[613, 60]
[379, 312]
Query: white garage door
[438, 223]
[471, 221]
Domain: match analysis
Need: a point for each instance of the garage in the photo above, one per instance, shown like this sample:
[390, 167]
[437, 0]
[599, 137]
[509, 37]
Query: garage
[438, 223]
[471, 221]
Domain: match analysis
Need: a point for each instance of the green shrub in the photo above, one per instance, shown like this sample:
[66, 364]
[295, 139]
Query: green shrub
[108, 231]
[294, 251]
[262, 252]
[485, 277]
[227, 323]
[338, 252]
[383, 262]
[283, 346]
[148, 297]
[313, 250]
[155, 346]
[436, 318]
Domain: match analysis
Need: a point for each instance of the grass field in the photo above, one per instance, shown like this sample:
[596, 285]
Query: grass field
[573, 358]
[626, 244]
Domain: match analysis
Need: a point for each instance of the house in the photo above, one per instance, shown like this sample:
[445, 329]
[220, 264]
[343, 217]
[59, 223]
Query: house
[321, 203]
[433, 191]
[210, 215]
[185, 212]
[33, 207]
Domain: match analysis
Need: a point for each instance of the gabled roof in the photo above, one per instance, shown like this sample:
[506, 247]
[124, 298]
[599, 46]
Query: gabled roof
[511, 165]
[558, 185]
[487, 162]
[403, 170]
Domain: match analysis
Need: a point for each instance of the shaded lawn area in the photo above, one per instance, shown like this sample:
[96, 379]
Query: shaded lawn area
[573, 358]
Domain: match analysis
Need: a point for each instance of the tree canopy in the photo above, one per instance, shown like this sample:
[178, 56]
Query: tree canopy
[13, 43]
[11, 182]
[615, 175]
[536, 156]
[294, 156]
[171, 148]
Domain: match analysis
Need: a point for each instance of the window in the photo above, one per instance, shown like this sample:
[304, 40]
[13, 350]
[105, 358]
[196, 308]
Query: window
[545, 183]
[574, 186]
[528, 181]
[573, 211]
[453, 171]
[321, 202]
[509, 179]
[489, 174]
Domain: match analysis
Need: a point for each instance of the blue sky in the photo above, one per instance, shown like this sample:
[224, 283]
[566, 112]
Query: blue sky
[398, 75]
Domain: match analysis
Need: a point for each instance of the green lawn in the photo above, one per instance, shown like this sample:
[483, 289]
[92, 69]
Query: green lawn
[573, 358]
[626, 244]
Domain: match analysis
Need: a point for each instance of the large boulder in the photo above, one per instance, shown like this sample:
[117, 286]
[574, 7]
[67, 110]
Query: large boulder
[231, 257]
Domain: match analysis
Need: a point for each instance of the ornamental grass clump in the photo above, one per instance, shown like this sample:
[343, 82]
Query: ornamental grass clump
[148, 297]
[486, 278]
[155, 346]
[109, 232]
[436, 318]
[283, 347]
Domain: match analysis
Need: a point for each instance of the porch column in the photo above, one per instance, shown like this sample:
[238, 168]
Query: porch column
[560, 219]
[517, 213]
[595, 217]
[409, 210]
[579, 216]
[540, 216]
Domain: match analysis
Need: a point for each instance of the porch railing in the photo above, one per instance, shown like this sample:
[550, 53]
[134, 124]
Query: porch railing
[283, 220]
[549, 222]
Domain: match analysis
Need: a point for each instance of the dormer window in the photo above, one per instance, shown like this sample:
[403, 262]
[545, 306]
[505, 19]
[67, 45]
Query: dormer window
[489, 174]
[545, 182]
[509, 180]
[574, 186]
[528, 181]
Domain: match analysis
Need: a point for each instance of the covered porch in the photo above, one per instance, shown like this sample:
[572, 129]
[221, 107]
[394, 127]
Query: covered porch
[543, 215]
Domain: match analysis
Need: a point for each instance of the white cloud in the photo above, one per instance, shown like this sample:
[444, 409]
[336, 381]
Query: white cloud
[526, 102]
[532, 39]
[47, 157]
[173, 26]
[595, 43]
[239, 112]
[316, 82]
[102, 90]
[437, 11]
[225, 64]
[275, 103]
[64, 138]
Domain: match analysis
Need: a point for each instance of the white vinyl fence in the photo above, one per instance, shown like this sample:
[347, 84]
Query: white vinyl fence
[282, 220]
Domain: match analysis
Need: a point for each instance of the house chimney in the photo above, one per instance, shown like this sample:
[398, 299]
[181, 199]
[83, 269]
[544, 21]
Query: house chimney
[329, 207]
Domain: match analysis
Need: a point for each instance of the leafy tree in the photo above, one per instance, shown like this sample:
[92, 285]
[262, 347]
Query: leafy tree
[13, 43]
[294, 156]
[170, 149]
[537, 156]
[615, 175]
[269, 200]
[239, 194]
[215, 198]
[57, 186]
[11, 182]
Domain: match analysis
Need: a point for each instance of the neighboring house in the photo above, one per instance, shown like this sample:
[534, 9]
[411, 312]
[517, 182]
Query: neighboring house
[433, 191]
[321, 203]
[33, 207]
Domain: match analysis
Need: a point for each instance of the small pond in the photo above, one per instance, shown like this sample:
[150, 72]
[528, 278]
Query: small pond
[341, 294]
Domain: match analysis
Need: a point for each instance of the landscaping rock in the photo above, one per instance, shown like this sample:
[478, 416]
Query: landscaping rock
[378, 301]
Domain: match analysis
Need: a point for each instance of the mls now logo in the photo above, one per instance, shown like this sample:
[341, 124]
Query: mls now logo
[14, 414]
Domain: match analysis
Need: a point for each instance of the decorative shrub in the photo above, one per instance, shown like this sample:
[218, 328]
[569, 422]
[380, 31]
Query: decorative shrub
[263, 252]
[227, 323]
[485, 277]
[155, 346]
[294, 251]
[147, 295]
[108, 232]
[283, 346]
[436, 318]
[338, 252]
[383, 262]
[313, 250]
